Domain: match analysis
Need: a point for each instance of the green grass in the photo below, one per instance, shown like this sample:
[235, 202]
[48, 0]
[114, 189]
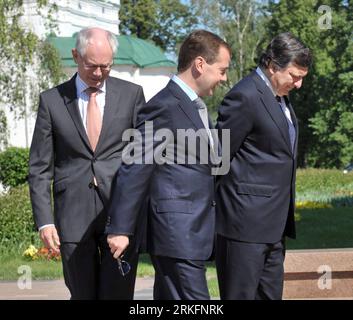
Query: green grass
[145, 268]
[323, 228]
[41, 269]
[322, 180]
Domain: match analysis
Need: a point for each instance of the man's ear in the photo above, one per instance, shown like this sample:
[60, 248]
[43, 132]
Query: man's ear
[74, 54]
[199, 64]
[272, 68]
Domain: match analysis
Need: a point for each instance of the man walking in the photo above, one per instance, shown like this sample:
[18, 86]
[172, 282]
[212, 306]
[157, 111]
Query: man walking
[255, 210]
[77, 144]
[181, 211]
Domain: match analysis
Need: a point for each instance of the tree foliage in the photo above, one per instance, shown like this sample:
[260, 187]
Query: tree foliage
[165, 22]
[28, 64]
[240, 23]
[14, 166]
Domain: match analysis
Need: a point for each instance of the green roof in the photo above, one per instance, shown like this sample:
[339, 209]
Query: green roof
[131, 51]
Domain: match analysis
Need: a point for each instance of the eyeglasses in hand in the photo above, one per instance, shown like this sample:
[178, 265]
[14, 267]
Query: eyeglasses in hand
[124, 267]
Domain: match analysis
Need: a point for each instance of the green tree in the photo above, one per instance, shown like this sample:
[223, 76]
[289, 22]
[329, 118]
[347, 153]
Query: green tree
[165, 22]
[27, 64]
[137, 17]
[14, 166]
[240, 23]
[324, 104]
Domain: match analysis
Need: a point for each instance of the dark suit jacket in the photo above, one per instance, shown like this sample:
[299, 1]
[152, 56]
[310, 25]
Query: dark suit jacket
[60, 151]
[256, 197]
[181, 212]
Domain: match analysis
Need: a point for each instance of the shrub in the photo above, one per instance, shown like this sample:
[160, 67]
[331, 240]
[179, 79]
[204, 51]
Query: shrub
[312, 205]
[322, 180]
[16, 222]
[324, 187]
[14, 166]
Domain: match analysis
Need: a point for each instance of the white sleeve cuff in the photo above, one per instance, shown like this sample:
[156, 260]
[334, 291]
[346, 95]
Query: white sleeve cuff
[46, 225]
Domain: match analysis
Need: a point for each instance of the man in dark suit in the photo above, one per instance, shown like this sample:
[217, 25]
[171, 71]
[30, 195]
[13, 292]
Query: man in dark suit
[256, 197]
[181, 210]
[77, 142]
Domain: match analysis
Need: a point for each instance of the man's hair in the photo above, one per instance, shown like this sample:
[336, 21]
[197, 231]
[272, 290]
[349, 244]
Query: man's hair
[285, 49]
[85, 35]
[200, 43]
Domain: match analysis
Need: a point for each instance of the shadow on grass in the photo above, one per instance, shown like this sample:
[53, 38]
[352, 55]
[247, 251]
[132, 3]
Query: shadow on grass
[323, 229]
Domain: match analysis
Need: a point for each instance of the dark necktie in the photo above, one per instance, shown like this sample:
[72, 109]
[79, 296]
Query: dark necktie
[291, 128]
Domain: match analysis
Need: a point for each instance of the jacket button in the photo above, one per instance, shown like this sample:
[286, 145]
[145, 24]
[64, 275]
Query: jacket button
[213, 203]
[91, 185]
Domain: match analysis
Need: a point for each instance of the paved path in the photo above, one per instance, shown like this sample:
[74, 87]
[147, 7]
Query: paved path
[56, 290]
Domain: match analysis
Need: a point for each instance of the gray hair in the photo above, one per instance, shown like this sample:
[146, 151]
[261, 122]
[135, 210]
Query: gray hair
[84, 36]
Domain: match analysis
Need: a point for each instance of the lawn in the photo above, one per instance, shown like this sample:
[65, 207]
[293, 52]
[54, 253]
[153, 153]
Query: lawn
[44, 270]
[323, 228]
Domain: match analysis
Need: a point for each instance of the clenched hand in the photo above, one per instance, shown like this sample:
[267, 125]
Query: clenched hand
[117, 244]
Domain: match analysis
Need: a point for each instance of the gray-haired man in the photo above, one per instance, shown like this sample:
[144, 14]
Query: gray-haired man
[77, 144]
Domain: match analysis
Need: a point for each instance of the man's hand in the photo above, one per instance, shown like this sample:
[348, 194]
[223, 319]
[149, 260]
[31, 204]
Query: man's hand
[50, 238]
[117, 244]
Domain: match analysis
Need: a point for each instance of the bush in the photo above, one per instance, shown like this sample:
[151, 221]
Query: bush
[321, 186]
[16, 222]
[323, 179]
[14, 166]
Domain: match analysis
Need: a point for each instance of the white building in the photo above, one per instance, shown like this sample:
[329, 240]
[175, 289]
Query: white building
[137, 60]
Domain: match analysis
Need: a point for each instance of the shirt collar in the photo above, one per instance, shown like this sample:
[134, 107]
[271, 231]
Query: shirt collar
[81, 86]
[264, 78]
[188, 91]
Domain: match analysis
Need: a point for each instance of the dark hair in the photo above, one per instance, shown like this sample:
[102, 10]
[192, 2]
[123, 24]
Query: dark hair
[284, 49]
[200, 43]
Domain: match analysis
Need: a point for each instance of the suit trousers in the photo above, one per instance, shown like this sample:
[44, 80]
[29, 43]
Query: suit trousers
[179, 279]
[249, 271]
[90, 271]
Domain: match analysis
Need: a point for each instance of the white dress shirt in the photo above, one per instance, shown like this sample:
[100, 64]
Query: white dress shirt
[82, 99]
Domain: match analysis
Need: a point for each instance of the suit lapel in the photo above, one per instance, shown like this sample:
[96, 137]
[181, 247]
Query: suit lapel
[70, 99]
[188, 108]
[273, 108]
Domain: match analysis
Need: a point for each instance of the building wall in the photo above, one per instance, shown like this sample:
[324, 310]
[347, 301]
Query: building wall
[73, 15]
[152, 80]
